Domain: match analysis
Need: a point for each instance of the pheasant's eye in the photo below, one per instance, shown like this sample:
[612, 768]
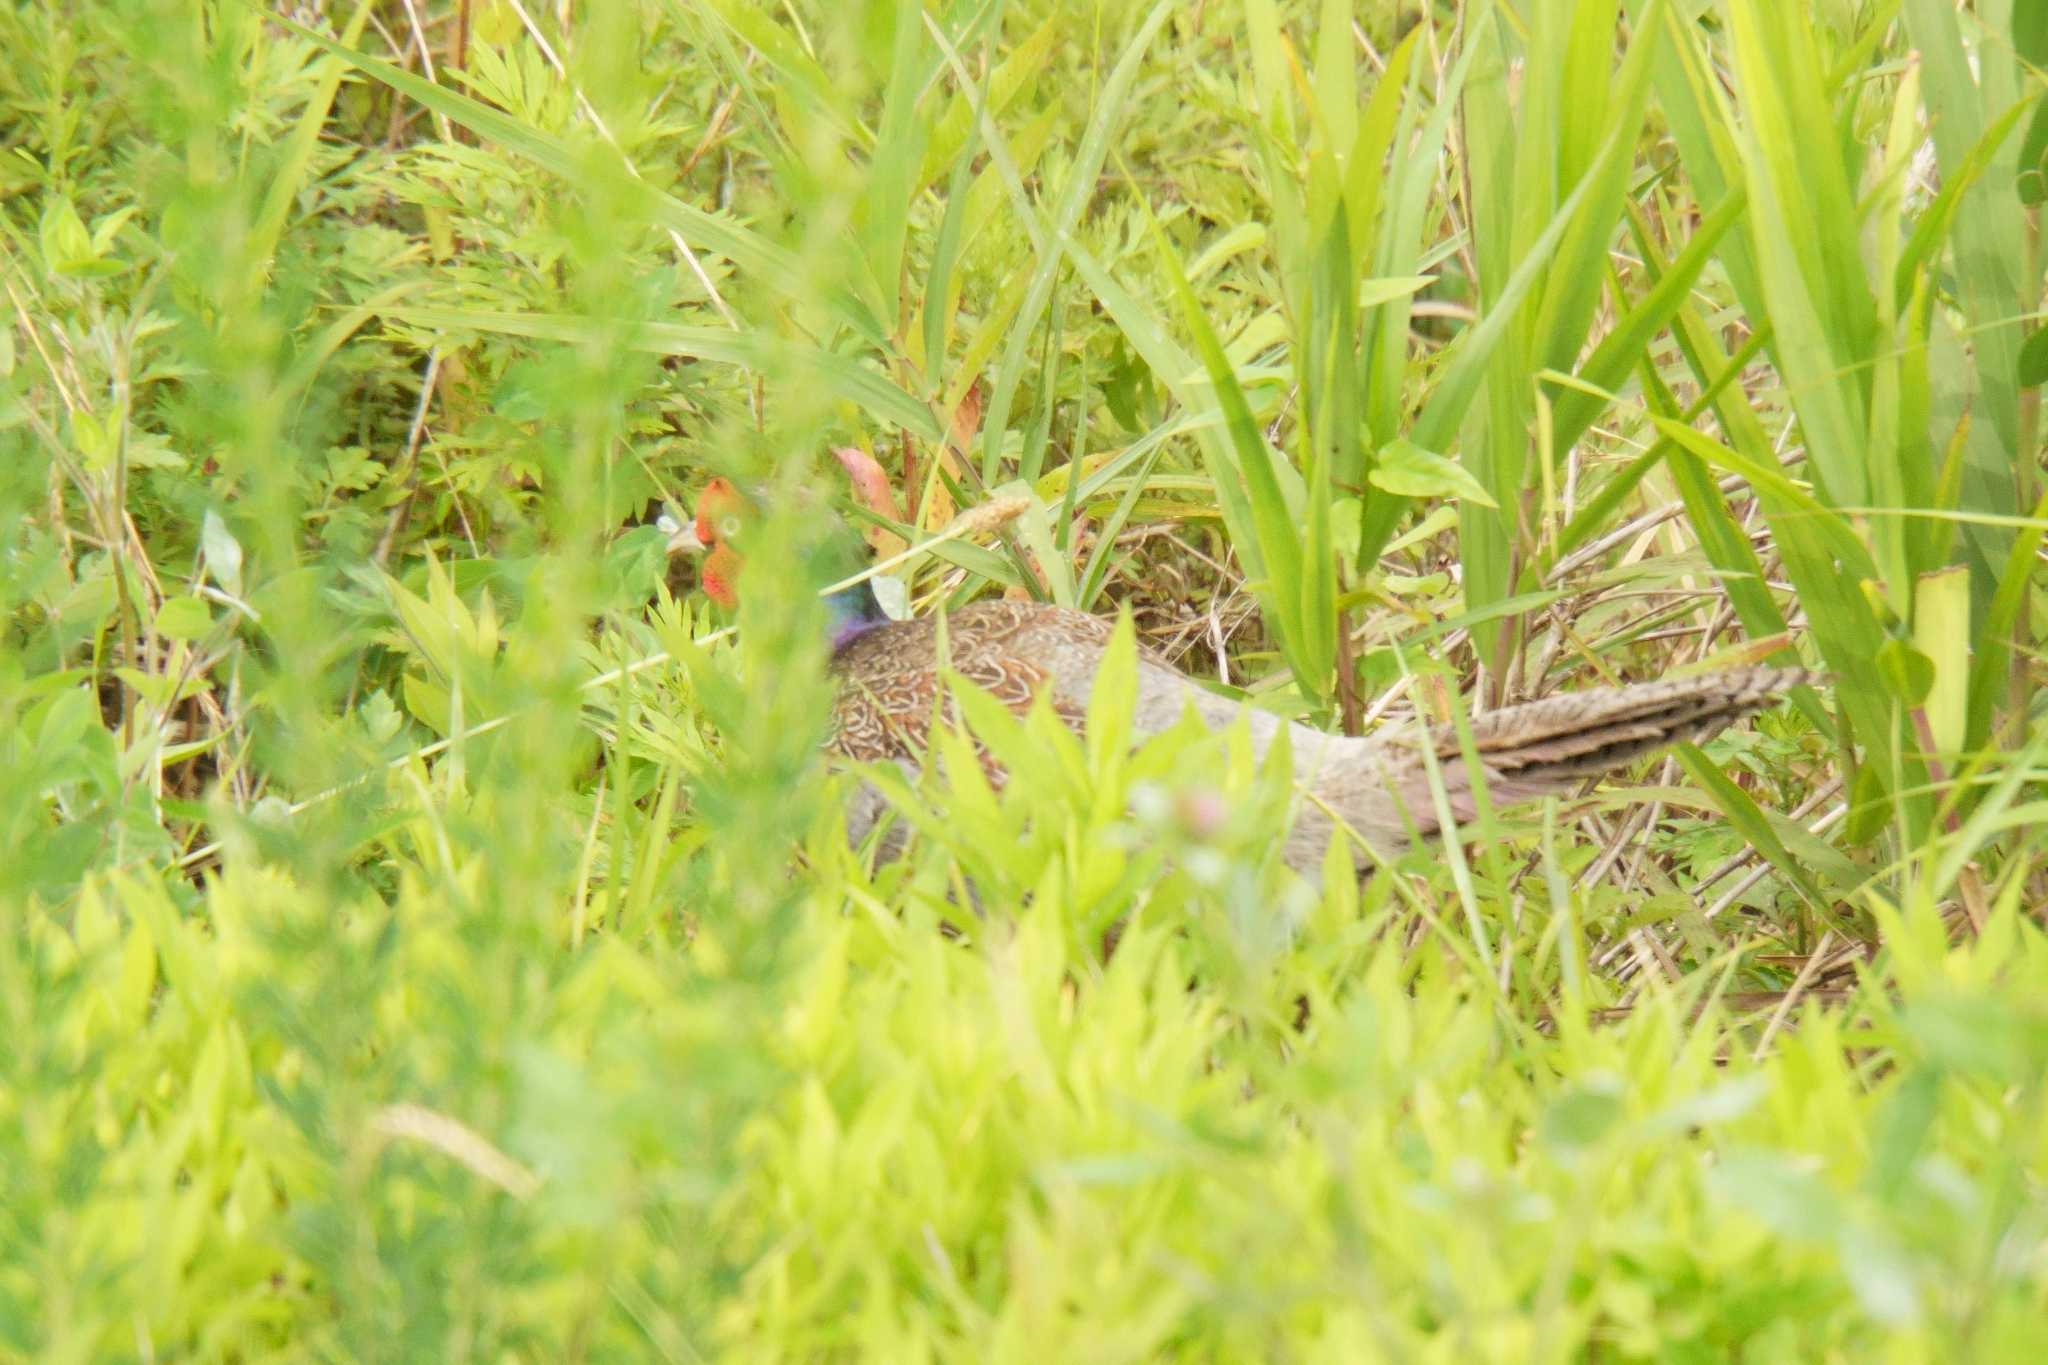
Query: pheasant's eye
[729, 526]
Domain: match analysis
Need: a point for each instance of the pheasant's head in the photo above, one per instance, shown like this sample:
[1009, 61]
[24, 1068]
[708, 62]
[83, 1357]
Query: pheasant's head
[720, 513]
[723, 515]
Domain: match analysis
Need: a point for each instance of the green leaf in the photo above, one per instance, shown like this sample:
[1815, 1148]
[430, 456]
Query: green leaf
[1903, 1127]
[2030, 32]
[1979, 1035]
[1785, 1196]
[223, 552]
[1908, 672]
[1941, 636]
[1882, 1276]
[429, 702]
[2034, 353]
[183, 618]
[1112, 693]
[1988, 666]
[381, 719]
[1033, 528]
[1406, 468]
[1869, 805]
[91, 437]
[1584, 1114]
[67, 246]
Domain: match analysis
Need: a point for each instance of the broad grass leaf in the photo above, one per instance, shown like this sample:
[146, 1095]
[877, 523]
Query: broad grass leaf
[1403, 467]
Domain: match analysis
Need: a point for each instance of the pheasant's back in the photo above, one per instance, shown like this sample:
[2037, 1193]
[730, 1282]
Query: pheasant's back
[889, 674]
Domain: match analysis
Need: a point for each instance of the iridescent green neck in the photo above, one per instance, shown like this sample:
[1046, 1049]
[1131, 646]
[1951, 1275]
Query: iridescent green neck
[852, 611]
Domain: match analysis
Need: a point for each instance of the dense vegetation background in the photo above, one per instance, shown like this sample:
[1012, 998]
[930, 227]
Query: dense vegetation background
[428, 935]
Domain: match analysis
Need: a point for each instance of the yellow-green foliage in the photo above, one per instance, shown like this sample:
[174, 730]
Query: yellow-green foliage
[996, 1149]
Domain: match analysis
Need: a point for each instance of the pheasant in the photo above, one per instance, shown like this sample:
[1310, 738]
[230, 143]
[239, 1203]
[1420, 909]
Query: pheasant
[1373, 790]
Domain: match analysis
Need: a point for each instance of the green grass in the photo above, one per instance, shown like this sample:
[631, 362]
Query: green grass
[429, 934]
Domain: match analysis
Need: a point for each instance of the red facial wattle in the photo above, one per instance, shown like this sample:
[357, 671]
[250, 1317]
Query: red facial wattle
[719, 575]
